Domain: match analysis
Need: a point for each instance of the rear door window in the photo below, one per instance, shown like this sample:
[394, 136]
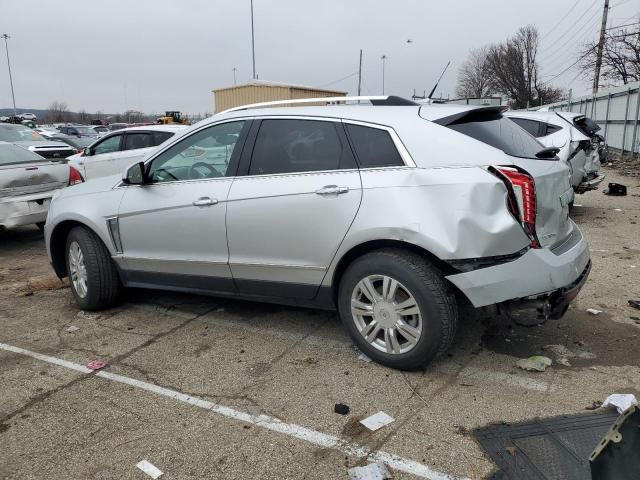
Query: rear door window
[374, 147]
[161, 137]
[490, 127]
[531, 126]
[108, 145]
[134, 141]
[290, 146]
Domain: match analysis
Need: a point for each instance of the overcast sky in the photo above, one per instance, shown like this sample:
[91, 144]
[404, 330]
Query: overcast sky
[156, 55]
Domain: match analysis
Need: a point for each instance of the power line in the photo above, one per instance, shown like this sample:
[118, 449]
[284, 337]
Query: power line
[626, 25]
[556, 25]
[587, 53]
[576, 22]
[339, 80]
[585, 28]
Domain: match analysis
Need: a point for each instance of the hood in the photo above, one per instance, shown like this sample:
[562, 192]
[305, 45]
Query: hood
[41, 144]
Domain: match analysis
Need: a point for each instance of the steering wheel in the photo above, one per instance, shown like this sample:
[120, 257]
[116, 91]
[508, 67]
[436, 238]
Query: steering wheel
[195, 174]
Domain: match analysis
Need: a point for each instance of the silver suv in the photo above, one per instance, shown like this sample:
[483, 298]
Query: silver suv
[384, 211]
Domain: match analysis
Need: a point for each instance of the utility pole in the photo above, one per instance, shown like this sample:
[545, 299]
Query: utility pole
[234, 74]
[384, 57]
[360, 74]
[13, 97]
[603, 28]
[253, 45]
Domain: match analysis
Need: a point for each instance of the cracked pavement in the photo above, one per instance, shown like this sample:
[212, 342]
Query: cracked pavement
[294, 365]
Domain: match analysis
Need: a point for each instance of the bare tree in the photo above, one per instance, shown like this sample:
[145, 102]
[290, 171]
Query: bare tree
[620, 57]
[513, 67]
[474, 77]
[58, 112]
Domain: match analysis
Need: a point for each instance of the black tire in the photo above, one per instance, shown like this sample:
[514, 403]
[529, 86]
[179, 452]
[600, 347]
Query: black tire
[433, 295]
[103, 283]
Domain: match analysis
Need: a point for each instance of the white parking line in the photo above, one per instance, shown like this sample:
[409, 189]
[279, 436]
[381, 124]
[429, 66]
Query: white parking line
[269, 423]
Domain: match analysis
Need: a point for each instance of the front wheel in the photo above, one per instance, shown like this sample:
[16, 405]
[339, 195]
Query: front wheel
[397, 308]
[93, 277]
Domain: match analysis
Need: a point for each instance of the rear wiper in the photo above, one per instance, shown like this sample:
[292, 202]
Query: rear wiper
[549, 152]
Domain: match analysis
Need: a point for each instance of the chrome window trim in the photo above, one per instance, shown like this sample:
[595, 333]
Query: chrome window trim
[278, 265]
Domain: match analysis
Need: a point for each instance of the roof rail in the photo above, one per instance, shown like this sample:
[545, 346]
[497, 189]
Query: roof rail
[388, 100]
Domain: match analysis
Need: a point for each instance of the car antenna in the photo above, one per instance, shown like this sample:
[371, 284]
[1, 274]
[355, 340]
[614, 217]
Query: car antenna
[440, 78]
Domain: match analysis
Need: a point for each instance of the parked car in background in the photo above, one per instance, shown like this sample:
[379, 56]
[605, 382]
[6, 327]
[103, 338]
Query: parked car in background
[78, 131]
[383, 212]
[78, 143]
[574, 135]
[28, 116]
[100, 129]
[114, 152]
[34, 141]
[27, 184]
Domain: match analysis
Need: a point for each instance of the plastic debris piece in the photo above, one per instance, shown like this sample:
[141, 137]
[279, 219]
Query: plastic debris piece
[364, 358]
[596, 404]
[578, 205]
[616, 190]
[149, 468]
[635, 304]
[377, 421]
[341, 408]
[96, 364]
[594, 311]
[72, 328]
[617, 209]
[373, 471]
[88, 316]
[536, 363]
[622, 401]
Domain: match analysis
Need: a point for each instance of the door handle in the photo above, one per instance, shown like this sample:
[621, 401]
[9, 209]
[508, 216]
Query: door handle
[332, 190]
[204, 202]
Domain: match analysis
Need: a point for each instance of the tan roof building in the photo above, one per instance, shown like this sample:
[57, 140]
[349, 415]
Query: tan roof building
[258, 91]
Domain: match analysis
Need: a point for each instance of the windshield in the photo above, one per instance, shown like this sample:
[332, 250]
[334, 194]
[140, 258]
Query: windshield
[18, 133]
[490, 127]
[85, 130]
[12, 154]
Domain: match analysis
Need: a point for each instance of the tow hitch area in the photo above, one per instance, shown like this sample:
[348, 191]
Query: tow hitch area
[534, 311]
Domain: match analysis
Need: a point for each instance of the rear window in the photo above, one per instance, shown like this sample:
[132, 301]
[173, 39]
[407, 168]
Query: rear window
[12, 154]
[492, 128]
[374, 147]
[587, 126]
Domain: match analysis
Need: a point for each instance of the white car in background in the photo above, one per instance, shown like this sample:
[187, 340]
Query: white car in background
[574, 135]
[114, 152]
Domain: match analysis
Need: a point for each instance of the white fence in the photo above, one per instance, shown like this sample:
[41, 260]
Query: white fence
[615, 110]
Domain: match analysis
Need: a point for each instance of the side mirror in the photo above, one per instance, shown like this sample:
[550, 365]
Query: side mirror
[134, 175]
[86, 152]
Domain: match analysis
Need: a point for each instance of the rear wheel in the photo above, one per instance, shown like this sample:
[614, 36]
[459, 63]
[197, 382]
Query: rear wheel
[398, 308]
[92, 275]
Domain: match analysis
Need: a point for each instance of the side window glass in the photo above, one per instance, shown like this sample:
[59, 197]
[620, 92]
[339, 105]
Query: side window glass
[374, 147]
[161, 137]
[530, 126]
[549, 129]
[287, 146]
[133, 141]
[205, 154]
[108, 145]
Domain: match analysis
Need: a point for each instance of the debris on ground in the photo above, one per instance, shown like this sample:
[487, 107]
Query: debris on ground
[373, 471]
[364, 358]
[616, 190]
[622, 401]
[88, 316]
[96, 364]
[149, 468]
[377, 421]
[635, 304]
[72, 328]
[617, 209]
[594, 311]
[341, 408]
[596, 404]
[536, 363]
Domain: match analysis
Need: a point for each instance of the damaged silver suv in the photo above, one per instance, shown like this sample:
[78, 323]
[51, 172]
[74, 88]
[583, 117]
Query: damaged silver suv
[383, 211]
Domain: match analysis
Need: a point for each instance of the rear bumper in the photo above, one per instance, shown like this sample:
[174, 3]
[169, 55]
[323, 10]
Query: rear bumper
[539, 273]
[590, 184]
[25, 209]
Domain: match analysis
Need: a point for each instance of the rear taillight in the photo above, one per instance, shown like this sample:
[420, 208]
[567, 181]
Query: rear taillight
[79, 150]
[521, 199]
[74, 176]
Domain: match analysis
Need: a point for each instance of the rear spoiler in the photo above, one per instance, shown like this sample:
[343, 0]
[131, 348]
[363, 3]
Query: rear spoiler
[468, 113]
